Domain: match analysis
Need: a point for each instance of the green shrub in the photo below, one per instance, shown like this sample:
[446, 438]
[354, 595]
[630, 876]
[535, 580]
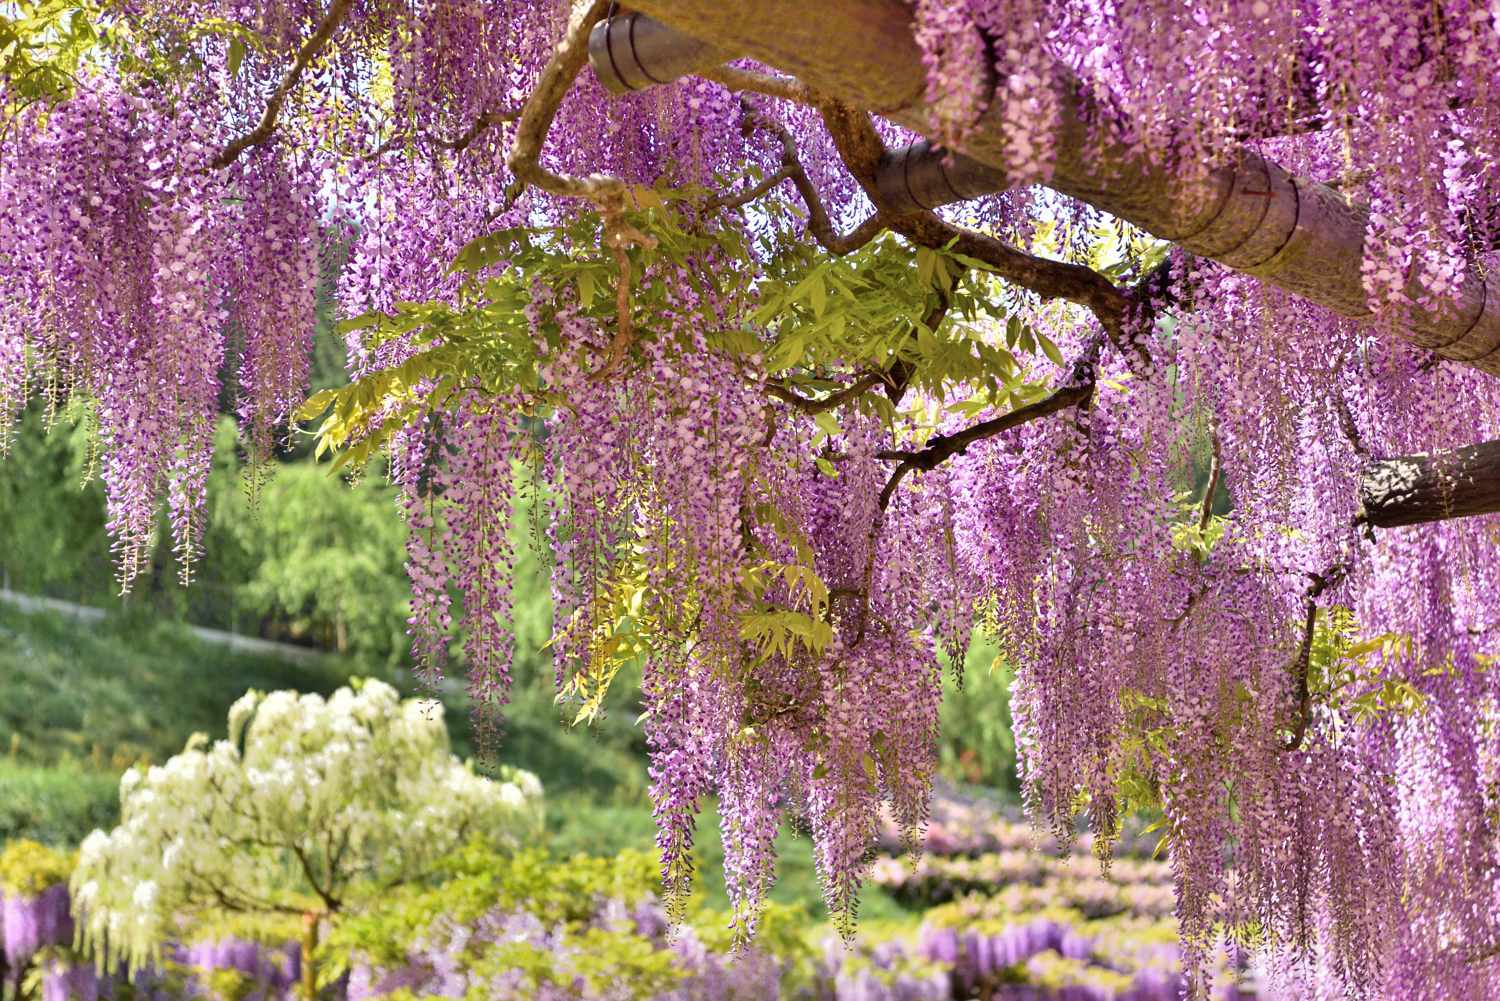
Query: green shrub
[609, 962]
[322, 560]
[579, 824]
[56, 806]
[54, 521]
[569, 946]
[477, 880]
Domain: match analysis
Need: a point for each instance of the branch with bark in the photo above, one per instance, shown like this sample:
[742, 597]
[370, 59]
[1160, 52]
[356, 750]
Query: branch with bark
[552, 85]
[1215, 472]
[609, 194]
[305, 55]
[1415, 489]
[864, 153]
[457, 144]
[809, 405]
[1077, 390]
[619, 236]
[1300, 722]
[750, 194]
[818, 222]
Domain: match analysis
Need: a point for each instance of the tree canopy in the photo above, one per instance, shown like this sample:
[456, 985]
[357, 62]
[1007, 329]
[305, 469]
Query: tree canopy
[309, 805]
[1157, 338]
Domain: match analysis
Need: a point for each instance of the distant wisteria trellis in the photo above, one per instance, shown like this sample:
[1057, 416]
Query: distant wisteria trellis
[155, 240]
[1021, 959]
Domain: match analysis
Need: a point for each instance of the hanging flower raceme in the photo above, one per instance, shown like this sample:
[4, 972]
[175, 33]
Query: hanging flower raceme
[271, 289]
[484, 444]
[121, 311]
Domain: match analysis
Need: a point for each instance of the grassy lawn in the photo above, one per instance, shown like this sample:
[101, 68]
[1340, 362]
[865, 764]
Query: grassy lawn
[126, 689]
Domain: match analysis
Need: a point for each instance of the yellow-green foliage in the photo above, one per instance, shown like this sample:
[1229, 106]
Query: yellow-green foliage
[477, 880]
[228, 984]
[1052, 973]
[29, 867]
[809, 319]
[564, 895]
[42, 45]
[266, 929]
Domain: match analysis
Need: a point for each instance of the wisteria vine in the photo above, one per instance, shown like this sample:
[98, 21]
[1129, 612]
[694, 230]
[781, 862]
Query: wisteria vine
[796, 433]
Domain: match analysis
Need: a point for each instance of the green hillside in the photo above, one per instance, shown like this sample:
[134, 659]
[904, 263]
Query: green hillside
[127, 689]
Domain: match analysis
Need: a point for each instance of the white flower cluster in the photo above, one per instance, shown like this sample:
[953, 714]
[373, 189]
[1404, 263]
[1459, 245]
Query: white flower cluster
[310, 804]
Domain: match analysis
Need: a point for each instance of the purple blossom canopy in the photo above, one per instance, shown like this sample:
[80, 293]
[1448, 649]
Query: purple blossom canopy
[1159, 339]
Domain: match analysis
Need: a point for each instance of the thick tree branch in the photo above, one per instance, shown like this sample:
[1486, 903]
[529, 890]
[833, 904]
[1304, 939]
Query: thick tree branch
[1414, 489]
[1077, 390]
[1047, 278]
[305, 55]
[1299, 669]
[1250, 214]
[898, 376]
[619, 236]
[485, 121]
[856, 238]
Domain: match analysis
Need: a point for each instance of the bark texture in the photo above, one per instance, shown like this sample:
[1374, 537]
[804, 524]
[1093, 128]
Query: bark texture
[1251, 216]
[1419, 488]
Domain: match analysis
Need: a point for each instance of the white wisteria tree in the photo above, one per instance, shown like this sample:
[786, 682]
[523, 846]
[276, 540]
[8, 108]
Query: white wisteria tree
[309, 805]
